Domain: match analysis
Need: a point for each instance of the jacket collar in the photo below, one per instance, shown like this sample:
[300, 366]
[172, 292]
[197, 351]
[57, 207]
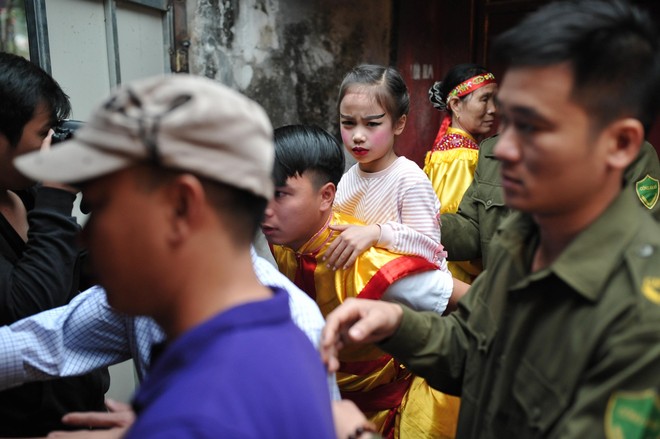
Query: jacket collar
[596, 250]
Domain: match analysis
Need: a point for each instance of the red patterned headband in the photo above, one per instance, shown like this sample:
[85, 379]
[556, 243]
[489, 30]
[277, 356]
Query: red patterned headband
[467, 87]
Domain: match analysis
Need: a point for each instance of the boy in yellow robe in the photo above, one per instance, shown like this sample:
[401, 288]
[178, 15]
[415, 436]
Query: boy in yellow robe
[309, 163]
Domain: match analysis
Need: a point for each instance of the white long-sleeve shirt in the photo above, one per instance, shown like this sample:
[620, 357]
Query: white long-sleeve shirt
[401, 200]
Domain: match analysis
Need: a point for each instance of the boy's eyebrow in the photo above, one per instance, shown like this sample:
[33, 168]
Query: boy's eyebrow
[372, 117]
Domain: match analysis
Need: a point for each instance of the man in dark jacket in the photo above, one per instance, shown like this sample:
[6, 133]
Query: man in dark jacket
[39, 258]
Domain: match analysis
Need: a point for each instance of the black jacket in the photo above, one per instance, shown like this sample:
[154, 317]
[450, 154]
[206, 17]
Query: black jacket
[35, 276]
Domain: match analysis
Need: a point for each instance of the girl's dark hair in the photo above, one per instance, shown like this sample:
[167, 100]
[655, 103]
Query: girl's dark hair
[391, 92]
[439, 91]
[23, 86]
[307, 148]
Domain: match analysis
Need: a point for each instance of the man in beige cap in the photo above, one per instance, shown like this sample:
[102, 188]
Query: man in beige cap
[177, 172]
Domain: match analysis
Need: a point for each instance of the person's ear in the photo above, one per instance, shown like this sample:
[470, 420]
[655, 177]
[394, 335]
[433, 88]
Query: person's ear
[454, 105]
[626, 138]
[186, 198]
[400, 125]
[327, 193]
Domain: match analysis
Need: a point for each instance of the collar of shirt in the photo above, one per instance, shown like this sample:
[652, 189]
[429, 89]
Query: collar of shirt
[595, 251]
[186, 348]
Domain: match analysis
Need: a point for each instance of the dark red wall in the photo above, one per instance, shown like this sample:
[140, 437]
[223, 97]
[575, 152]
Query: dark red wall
[429, 36]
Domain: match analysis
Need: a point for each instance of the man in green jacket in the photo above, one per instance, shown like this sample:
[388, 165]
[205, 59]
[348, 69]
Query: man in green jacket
[559, 337]
[466, 234]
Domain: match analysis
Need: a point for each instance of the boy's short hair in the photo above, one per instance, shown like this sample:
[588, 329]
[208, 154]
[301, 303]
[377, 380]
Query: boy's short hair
[611, 46]
[307, 148]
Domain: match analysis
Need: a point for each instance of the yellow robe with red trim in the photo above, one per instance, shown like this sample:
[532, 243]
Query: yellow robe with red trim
[400, 404]
[450, 166]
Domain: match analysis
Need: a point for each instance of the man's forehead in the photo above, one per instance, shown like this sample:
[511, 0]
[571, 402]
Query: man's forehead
[535, 87]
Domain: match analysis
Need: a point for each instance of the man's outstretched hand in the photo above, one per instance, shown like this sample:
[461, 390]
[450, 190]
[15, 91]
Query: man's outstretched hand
[357, 321]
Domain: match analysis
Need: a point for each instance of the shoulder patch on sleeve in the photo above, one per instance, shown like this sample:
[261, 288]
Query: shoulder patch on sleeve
[633, 415]
[647, 191]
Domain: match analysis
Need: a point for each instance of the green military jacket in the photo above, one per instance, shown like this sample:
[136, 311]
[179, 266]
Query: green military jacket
[570, 351]
[466, 234]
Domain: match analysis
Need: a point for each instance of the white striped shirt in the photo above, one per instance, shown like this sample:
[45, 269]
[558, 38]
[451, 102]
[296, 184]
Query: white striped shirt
[402, 201]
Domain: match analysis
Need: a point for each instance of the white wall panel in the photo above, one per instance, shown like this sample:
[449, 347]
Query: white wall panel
[142, 45]
[78, 52]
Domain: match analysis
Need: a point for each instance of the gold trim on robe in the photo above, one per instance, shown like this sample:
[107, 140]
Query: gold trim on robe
[450, 166]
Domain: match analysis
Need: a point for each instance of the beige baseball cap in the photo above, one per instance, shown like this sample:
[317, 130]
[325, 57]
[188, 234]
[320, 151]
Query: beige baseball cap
[184, 122]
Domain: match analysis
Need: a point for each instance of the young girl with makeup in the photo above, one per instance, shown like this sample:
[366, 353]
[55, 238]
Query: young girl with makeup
[389, 193]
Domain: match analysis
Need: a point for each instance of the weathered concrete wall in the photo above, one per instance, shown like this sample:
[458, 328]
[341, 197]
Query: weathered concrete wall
[289, 55]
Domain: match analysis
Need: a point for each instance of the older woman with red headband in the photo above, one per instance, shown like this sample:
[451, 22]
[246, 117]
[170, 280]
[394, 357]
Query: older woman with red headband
[466, 96]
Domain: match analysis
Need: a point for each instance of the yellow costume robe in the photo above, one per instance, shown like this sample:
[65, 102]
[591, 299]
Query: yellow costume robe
[400, 404]
[450, 166]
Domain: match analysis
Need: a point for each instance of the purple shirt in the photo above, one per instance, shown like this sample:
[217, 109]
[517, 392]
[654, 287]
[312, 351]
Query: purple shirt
[248, 372]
